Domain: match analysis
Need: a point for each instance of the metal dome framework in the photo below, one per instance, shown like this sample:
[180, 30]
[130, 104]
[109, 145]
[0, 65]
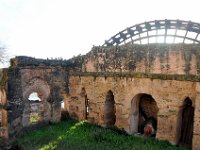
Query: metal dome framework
[158, 31]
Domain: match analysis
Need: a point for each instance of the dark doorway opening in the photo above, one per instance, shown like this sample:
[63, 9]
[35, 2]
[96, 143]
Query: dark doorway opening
[86, 107]
[109, 111]
[148, 110]
[187, 124]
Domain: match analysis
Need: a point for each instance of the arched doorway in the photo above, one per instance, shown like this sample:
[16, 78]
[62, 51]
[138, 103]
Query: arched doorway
[109, 109]
[143, 119]
[36, 106]
[187, 122]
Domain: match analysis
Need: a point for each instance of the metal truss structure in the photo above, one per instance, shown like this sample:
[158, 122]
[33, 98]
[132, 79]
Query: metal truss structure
[158, 31]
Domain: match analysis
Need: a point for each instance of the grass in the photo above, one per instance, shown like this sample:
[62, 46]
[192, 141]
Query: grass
[72, 135]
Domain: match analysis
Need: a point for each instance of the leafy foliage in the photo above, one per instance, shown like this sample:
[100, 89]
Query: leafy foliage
[72, 135]
[34, 118]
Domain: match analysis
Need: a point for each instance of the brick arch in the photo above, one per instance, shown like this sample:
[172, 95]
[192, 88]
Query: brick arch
[39, 86]
[42, 88]
[144, 106]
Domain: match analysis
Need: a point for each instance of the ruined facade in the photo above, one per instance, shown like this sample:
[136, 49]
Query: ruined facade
[143, 82]
[128, 86]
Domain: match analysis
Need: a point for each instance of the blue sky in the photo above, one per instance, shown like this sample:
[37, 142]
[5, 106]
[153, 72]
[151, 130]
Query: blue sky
[64, 28]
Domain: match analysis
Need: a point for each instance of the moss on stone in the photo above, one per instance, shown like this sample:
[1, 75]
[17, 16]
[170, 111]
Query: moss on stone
[140, 75]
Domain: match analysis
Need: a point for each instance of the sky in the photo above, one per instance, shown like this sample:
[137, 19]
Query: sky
[66, 28]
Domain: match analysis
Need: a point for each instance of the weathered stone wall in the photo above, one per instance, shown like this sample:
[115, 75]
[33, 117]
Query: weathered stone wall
[155, 58]
[3, 109]
[3, 114]
[51, 85]
[168, 94]
[168, 73]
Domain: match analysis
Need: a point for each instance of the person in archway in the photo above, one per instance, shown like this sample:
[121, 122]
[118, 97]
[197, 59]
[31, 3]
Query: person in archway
[150, 127]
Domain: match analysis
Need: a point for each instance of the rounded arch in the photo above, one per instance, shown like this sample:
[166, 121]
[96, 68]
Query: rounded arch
[185, 123]
[36, 111]
[143, 114]
[184, 31]
[109, 109]
[39, 86]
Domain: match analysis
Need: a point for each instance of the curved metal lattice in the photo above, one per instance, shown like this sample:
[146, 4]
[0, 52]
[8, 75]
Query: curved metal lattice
[158, 31]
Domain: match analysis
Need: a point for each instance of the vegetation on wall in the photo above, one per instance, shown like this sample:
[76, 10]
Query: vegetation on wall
[34, 118]
[127, 56]
[139, 75]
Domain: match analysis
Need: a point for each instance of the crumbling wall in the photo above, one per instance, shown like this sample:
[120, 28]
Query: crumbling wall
[49, 79]
[168, 94]
[168, 73]
[3, 114]
[153, 58]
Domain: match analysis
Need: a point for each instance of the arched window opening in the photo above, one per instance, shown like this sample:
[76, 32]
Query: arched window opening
[187, 124]
[86, 103]
[62, 104]
[87, 107]
[109, 110]
[35, 107]
[34, 97]
[147, 122]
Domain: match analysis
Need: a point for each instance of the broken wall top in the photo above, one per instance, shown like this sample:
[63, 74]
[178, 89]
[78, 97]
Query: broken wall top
[181, 59]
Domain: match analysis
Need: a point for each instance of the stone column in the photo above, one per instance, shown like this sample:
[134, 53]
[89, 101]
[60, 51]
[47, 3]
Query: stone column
[196, 130]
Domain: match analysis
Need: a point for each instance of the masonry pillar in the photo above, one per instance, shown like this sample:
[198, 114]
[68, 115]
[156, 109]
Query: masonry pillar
[196, 131]
[196, 128]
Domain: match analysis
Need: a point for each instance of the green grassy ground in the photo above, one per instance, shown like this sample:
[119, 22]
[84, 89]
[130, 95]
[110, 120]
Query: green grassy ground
[72, 135]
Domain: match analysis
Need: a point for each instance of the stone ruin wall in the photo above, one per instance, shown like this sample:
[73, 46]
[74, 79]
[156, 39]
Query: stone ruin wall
[169, 73]
[3, 114]
[49, 83]
[49, 78]
[154, 59]
[168, 94]
[3, 111]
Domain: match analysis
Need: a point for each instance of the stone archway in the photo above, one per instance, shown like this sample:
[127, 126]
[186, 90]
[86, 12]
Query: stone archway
[109, 109]
[40, 107]
[186, 123]
[143, 116]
